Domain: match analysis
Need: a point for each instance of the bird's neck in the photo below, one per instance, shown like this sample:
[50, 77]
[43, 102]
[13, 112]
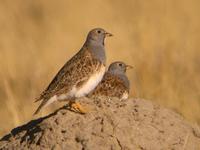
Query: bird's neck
[117, 72]
[122, 77]
[97, 50]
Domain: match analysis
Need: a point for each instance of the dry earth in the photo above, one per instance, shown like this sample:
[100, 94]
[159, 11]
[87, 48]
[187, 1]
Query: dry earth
[110, 124]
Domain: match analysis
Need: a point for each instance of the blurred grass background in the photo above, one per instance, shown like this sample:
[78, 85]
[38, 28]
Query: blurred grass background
[160, 38]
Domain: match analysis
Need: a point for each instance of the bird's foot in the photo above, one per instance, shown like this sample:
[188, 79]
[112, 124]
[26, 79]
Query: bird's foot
[77, 107]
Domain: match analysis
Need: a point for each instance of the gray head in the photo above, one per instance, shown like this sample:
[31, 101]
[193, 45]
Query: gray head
[119, 67]
[97, 35]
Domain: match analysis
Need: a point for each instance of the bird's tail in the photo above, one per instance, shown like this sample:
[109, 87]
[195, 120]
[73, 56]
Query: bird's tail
[45, 103]
[37, 99]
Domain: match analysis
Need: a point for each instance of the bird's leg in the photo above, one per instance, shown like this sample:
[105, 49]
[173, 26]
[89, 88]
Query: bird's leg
[77, 107]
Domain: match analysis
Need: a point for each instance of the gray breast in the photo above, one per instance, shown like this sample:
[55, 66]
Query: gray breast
[125, 80]
[98, 51]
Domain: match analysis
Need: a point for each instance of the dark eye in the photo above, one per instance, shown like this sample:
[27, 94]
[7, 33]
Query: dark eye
[99, 31]
[120, 65]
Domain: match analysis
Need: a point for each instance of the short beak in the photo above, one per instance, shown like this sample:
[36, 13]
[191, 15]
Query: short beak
[108, 34]
[129, 67]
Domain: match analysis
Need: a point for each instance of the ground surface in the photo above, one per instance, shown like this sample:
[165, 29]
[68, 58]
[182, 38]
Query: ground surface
[110, 124]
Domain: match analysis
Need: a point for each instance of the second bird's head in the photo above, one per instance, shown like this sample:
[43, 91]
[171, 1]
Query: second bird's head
[98, 35]
[119, 67]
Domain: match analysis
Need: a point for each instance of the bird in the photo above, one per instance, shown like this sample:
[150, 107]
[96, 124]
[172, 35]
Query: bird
[80, 75]
[115, 83]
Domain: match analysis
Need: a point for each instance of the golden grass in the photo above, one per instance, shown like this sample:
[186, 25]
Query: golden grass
[160, 38]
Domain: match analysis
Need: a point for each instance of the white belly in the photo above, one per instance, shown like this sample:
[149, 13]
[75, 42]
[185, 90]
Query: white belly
[91, 83]
[124, 96]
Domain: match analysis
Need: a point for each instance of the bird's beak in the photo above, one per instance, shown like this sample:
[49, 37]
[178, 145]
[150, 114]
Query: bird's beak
[129, 67]
[108, 34]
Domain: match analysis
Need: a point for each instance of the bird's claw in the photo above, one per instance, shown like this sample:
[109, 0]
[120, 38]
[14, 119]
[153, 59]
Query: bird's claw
[77, 107]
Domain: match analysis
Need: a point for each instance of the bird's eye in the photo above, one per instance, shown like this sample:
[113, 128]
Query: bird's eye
[120, 65]
[98, 31]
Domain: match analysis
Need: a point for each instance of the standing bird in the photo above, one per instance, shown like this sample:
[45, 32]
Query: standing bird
[80, 75]
[114, 83]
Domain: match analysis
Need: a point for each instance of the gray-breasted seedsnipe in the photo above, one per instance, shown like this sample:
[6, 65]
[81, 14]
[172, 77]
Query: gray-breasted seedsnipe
[80, 75]
[114, 83]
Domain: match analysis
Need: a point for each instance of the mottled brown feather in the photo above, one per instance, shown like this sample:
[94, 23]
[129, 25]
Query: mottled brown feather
[75, 72]
[111, 86]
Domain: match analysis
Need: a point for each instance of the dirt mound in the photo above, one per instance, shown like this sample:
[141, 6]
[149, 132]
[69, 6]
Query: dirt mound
[111, 124]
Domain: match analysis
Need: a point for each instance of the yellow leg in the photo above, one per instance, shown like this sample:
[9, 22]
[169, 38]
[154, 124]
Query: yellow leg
[77, 107]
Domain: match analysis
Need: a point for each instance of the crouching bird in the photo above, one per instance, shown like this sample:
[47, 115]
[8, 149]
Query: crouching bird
[114, 83]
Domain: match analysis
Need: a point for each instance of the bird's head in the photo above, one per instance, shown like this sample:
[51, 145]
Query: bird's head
[98, 35]
[119, 67]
